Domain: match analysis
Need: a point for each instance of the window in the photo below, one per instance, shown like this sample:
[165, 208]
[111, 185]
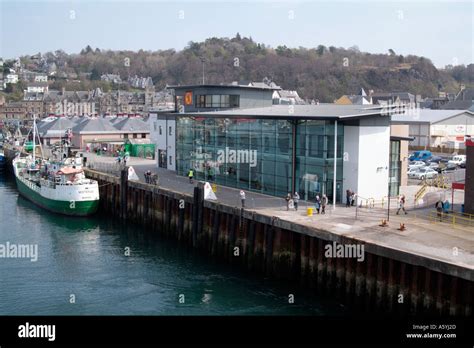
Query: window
[170, 130]
[143, 135]
[171, 160]
[234, 101]
[125, 136]
[155, 126]
[217, 101]
[134, 135]
[160, 130]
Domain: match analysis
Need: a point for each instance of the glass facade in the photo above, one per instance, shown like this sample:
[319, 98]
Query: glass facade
[258, 154]
[395, 168]
[315, 159]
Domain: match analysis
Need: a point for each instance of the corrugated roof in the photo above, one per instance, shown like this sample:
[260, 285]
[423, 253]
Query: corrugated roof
[426, 115]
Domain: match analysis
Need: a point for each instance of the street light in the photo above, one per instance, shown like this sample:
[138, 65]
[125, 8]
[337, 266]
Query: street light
[203, 60]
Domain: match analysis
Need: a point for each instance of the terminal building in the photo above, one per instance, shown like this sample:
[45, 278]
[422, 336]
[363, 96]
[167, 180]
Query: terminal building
[235, 135]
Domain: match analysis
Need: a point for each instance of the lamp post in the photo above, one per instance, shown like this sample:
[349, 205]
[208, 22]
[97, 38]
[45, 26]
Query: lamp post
[203, 60]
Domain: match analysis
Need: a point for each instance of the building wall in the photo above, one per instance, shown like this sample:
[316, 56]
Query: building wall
[164, 141]
[249, 98]
[80, 140]
[350, 165]
[374, 149]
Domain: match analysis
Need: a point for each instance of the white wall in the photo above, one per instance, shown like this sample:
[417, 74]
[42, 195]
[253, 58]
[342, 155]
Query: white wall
[351, 165]
[367, 150]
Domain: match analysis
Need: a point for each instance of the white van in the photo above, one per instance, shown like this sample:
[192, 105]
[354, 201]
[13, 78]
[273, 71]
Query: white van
[458, 159]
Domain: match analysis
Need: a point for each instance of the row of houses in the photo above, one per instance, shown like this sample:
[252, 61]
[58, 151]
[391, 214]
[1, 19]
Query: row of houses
[95, 102]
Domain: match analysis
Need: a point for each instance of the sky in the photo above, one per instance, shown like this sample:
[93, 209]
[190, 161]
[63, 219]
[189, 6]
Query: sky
[439, 30]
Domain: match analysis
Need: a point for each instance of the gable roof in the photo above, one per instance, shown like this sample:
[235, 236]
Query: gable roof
[132, 124]
[95, 125]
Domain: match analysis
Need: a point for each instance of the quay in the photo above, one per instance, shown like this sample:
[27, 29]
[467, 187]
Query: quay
[428, 268]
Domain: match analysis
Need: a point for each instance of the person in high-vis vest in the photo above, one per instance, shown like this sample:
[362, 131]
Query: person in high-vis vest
[190, 176]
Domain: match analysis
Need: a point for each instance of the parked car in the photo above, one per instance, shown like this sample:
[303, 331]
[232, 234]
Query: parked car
[416, 164]
[437, 159]
[420, 156]
[458, 159]
[424, 173]
[445, 167]
[411, 172]
[463, 164]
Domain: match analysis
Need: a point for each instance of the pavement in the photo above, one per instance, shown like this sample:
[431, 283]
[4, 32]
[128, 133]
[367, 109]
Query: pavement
[450, 241]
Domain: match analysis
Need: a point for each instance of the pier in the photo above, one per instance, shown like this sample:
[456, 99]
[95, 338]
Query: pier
[428, 268]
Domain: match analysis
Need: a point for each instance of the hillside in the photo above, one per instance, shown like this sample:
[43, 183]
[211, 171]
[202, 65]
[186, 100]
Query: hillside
[323, 73]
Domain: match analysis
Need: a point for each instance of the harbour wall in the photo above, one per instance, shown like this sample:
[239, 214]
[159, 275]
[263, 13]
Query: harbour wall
[388, 280]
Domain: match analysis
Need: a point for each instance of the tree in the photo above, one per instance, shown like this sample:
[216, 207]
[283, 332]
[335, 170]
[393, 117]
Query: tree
[321, 49]
[95, 75]
[391, 52]
[9, 88]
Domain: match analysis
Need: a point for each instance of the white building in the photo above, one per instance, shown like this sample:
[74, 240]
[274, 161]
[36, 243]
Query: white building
[162, 133]
[437, 128]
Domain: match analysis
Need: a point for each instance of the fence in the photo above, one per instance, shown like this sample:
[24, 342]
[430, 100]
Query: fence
[110, 168]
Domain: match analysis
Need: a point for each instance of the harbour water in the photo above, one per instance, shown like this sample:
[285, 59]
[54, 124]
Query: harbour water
[98, 266]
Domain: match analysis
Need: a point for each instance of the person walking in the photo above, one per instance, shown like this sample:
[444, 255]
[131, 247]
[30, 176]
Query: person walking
[190, 176]
[324, 202]
[440, 208]
[348, 197]
[401, 204]
[288, 199]
[242, 198]
[296, 200]
[318, 204]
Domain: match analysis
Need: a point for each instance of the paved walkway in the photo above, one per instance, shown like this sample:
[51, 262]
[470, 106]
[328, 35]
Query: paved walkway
[452, 243]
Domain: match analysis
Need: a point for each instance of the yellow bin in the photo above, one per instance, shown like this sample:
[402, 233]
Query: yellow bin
[214, 188]
[309, 211]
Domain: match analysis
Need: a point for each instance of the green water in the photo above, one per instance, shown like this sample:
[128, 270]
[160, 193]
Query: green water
[85, 257]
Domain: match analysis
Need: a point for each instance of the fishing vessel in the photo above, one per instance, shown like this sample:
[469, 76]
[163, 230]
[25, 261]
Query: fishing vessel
[58, 185]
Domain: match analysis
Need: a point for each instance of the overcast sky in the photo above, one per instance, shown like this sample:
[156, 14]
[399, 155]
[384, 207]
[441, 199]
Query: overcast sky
[439, 30]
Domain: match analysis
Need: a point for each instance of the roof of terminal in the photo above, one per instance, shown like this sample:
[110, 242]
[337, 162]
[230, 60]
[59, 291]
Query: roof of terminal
[321, 111]
[261, 86]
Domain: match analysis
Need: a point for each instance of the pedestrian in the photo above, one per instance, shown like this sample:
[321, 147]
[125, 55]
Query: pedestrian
[242, 198]
[348, 197]
[296, 200]
[119, 159]
[353, 196]
[324, 202]
[147, 176]
[439, 208]
[190, 176]
[288, 199]
[318, 204]
[401, 204]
